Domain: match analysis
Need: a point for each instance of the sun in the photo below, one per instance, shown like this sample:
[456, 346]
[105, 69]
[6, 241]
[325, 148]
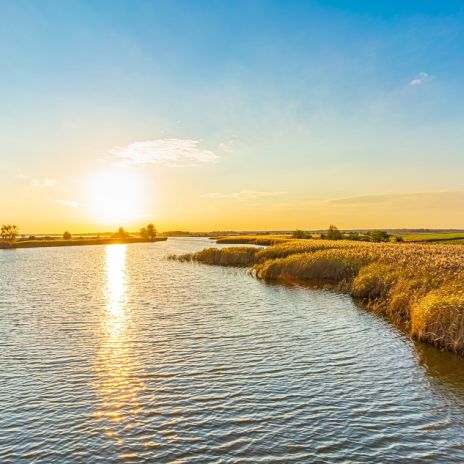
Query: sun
[115, 198]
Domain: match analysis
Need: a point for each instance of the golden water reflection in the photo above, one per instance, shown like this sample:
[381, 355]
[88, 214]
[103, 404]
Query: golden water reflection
[116, 290]
[119, 384]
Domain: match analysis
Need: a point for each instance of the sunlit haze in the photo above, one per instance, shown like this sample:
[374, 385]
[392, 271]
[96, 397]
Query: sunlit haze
[231, 115]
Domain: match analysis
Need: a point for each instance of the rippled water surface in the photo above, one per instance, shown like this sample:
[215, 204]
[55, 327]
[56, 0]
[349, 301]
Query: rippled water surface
[112, 354]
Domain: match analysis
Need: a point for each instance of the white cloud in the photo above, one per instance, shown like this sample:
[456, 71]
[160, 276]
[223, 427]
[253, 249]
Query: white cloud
[229, 145]
[33, 182]
[225, 147]
[243, 195]
[420, 79]
[43, 182]
[172, 152]
[68, 203]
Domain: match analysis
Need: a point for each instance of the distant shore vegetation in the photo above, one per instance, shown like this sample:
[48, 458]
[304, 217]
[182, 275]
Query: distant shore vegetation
[10, 238]
[148, 232]
[9, 233]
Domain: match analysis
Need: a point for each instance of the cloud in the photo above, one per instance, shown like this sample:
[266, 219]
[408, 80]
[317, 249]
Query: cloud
[228, 146]
[426, 200]
[68, 203]
[38, 183]
[225, 147]
[171, 152]
[243, 195]
[421, 78]
[43, 182]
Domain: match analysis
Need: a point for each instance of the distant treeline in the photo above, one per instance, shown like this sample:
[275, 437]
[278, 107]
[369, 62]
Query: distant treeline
[9, 237]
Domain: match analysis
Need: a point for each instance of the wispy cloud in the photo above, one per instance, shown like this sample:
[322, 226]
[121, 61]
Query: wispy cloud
[443, 199]
[420, 79]
[228, 146]
[68, 203]
[172, 152]
[43, 182]
[37, 183]
[225, 147]
[243, 195]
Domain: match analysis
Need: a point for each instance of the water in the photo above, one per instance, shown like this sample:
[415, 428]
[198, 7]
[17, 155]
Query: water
[113, 354]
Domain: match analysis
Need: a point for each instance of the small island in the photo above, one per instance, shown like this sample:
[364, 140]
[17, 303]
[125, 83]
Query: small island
[10, 238]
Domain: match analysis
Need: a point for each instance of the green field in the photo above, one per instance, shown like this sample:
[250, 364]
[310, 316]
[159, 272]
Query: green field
[443, 237]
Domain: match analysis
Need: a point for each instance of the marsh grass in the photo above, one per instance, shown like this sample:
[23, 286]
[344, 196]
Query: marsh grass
[265, 240]
[419, 286]
[236, 256]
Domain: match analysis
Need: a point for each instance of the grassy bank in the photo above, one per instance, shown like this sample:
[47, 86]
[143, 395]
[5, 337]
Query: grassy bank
[76, 242]
[417, 286]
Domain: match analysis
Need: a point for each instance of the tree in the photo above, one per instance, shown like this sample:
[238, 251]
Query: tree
[333, 233]
[300, 234]
[67, 235]
[121, 233]
[143, 232]
[378, 236]
[9, 232]
[354, 236]
[151, 231]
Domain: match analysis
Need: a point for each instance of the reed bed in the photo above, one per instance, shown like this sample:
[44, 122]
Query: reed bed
[419, 286]
[264, 240]
[236, 256]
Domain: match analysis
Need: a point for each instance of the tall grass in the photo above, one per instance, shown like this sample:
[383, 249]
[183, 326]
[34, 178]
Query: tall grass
[265, 240]
[418, 286]
[237, 256]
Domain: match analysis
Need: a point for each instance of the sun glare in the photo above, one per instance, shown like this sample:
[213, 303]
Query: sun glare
[115, 198]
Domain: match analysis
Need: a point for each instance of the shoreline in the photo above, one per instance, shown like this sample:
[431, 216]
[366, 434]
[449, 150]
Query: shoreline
[77, 242]
[416, 287]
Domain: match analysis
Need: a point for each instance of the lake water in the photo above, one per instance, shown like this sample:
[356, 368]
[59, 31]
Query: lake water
[113, 354]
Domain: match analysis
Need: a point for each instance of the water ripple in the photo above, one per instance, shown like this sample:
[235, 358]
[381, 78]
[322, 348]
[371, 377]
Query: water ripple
[114, 354]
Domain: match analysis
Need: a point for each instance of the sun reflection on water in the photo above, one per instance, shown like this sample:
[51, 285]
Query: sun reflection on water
[116, 290]
[119, 385]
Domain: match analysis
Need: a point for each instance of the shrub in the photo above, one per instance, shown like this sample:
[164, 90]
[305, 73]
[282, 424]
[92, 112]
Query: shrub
[301, 234]
[378, 236]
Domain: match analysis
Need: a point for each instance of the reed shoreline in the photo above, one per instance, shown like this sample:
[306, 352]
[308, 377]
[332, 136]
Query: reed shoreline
[417, 287]
[76, 242]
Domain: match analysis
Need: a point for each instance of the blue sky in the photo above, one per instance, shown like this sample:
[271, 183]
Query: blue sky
[320, 100]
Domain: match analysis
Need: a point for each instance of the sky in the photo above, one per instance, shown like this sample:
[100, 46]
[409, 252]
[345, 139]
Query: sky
[231, 115]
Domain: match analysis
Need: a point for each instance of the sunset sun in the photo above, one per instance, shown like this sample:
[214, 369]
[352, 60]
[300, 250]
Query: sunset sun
[115, 197]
